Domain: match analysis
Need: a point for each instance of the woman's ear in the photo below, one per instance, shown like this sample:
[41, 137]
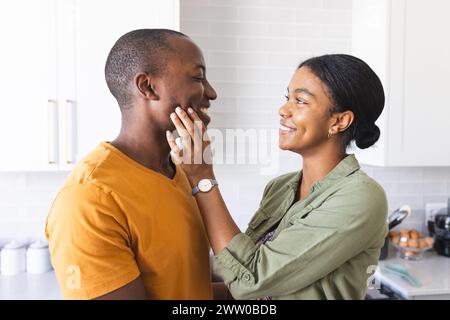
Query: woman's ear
[343, 121]
[145, 86]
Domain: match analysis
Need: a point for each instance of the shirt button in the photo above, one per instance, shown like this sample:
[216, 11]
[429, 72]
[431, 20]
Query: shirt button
[246, 277]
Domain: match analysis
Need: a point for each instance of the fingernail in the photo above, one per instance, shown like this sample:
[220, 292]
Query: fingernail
[167, 133]
[173, 115]
[177, 109]
[190, 110]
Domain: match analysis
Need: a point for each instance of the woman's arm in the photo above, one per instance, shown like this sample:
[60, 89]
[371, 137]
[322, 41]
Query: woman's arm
[219, 224]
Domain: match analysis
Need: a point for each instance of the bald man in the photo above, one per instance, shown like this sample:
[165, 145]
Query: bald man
[125, 225]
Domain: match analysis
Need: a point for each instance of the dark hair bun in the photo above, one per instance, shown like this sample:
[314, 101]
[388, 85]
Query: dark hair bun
[367, 137]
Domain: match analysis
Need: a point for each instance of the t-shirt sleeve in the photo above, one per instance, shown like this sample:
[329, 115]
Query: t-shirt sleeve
[90, 243]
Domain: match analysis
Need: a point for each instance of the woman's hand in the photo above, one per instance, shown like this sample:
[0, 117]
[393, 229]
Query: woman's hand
[195, 158]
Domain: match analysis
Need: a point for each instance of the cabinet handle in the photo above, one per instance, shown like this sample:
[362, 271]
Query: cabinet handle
[52, 128]
[69, 136]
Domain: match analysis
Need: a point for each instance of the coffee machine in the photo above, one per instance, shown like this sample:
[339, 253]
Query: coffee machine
[442, 231]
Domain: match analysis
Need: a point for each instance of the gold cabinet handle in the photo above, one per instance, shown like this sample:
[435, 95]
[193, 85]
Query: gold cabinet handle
[69, 131]
[52, 129]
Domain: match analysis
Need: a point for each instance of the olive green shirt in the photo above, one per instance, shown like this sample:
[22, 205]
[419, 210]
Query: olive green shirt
[325, 246]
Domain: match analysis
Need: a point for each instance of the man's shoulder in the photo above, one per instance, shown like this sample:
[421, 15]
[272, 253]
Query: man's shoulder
[97, 168]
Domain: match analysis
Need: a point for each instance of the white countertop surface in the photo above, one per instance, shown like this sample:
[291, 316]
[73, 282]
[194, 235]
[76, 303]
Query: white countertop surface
[27, 286]
[433, 271]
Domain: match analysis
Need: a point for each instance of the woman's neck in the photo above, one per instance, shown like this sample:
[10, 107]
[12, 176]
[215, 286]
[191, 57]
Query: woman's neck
[316, 167]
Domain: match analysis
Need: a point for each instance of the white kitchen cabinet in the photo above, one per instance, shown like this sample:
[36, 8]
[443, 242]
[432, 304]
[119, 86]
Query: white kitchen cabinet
[56, 104]
[29, 117]
[406, 43]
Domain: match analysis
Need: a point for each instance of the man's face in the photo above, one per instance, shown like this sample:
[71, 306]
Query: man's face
[184, 83]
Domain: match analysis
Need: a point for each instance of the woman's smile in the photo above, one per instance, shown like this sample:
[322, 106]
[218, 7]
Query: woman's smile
[286, 129]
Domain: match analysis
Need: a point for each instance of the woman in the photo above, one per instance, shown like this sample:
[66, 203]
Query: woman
[318, 232]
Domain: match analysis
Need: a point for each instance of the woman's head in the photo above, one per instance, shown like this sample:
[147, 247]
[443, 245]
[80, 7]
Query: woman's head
[331, 99]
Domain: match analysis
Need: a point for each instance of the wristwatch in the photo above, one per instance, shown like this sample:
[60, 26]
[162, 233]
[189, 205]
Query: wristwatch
[204, 185]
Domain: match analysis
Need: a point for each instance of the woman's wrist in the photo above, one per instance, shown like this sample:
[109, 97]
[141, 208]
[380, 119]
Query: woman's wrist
[204, 174]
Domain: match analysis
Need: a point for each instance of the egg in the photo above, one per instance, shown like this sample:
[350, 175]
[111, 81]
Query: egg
[413, 243]
[414, 234]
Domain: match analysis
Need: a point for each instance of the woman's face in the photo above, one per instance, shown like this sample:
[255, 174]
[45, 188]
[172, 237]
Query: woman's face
[305, 117]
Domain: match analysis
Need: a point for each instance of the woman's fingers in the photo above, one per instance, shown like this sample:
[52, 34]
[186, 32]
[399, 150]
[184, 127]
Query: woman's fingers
[197, 137]
[192, 131]
[175, 150]
[196, 119]
[187, 122]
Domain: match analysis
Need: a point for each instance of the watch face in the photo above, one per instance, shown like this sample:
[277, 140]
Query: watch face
[204, 185]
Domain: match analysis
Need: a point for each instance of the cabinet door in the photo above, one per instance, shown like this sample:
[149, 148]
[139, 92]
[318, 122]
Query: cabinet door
[405, 41]
[98, 24]
[28, 121]
[421, 54]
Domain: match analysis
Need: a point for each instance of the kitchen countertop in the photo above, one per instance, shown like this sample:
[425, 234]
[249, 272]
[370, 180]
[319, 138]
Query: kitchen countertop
[433, 271]
[26, 286]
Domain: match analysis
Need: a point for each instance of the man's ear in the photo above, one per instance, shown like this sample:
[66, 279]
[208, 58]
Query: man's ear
[343, 120]
[145, 86]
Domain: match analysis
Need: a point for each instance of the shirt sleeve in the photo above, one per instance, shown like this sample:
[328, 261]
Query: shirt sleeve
[311, 247]
[89, 243]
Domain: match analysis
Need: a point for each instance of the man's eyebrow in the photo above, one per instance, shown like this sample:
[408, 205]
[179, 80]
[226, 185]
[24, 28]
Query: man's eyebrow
[303, 90]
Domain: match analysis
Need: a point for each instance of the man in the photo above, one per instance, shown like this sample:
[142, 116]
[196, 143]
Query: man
[125, 225]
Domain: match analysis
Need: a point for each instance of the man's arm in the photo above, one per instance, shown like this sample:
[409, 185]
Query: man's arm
[132, 291]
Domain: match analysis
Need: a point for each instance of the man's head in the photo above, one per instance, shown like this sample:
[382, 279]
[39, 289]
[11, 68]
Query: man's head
[152, 71]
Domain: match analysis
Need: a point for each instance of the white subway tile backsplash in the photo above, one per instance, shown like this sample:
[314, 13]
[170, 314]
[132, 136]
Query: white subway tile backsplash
[337, 4]
[266, 44]
[240, 29]
[224, 105]
[209, 13]
[287, 60]
[240, 89]
[216, 43]
[336, 32]
[324, 17]
[436, 173]
[237, 59]
[260, 104]
[263, 74]
[266, 15]
[282, 30]
[222, 74]
[194, 28]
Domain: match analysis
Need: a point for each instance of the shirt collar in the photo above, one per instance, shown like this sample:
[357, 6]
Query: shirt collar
[346, 167]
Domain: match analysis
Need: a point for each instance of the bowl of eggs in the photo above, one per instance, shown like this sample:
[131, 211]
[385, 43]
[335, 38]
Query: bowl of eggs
[410, 244]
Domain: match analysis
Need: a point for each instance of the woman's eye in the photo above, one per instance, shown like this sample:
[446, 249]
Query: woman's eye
[300, 101]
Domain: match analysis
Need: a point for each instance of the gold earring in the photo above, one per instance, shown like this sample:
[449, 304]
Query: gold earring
[330, 134]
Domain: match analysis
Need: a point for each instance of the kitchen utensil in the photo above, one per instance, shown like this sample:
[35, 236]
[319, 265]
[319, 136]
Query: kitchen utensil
[13, 256]
[397, 216]
[394, 219]
[38, 257]
[403, 273]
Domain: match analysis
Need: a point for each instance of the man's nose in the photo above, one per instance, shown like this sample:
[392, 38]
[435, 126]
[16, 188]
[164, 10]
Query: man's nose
[210, 92]
[284, 110]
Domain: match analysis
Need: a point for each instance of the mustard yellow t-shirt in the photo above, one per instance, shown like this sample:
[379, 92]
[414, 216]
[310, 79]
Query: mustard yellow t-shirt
[115, 220]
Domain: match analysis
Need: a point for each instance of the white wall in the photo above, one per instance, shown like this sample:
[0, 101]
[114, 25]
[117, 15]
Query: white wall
[251, 48]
